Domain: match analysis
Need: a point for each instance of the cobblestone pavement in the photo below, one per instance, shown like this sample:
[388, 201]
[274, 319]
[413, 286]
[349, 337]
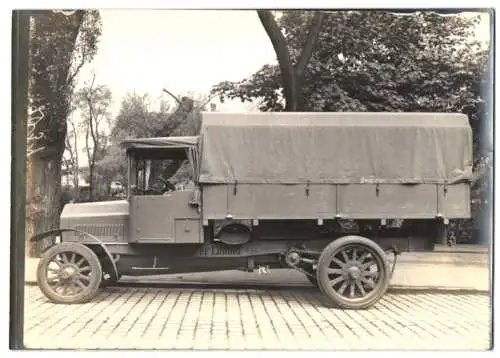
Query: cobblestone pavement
[287, 318]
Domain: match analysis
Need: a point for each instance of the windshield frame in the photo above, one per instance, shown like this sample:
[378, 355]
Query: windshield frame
[135, 157]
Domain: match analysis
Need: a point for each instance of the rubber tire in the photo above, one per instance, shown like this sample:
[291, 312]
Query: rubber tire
[329, 292]
[90, 292]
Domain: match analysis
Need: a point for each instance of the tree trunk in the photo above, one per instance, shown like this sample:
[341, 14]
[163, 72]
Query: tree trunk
[91, 182]
[291, 75]
[43, 196]
[295, 102]
[280, 48]
[76, 182]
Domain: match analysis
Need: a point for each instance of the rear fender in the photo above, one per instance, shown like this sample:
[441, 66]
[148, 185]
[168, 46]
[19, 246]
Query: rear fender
[46, 234]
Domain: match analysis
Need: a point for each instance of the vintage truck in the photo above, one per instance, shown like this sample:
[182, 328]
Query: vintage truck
[274, 190]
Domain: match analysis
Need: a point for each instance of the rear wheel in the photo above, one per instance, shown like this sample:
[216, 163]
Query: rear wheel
[69, 273]
[353, 272]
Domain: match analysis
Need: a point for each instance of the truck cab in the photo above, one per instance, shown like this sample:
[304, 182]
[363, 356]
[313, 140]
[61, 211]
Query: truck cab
[159, 213]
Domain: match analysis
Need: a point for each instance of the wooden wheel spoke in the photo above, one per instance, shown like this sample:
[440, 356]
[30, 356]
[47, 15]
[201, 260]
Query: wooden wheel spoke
[79, 262]
[64, 289]
[351, 289]
[79, 284]
[361, 288]
[83, 277]
[344, 256]
[57, 262]
[52, 281]
[336, 280]
[368, 282]
[354, 254]
[71, 287]
[369, 273]
[85, 268]
[73, 257]
[64, 258]
[368, 264]
[338, 262]
[363, 257]
[335, 271]
[342, 288]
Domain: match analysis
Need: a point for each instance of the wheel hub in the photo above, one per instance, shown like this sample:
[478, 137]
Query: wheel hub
[68, 272]
[293, 258]
[354, 272]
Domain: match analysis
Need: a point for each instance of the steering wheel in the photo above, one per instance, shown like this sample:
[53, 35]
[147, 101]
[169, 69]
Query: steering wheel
[168, 185]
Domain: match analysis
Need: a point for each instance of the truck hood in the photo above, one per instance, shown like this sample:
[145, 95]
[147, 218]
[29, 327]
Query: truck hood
[96, 209]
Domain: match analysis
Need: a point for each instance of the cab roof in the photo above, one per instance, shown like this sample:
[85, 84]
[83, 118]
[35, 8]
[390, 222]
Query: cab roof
[161, 147]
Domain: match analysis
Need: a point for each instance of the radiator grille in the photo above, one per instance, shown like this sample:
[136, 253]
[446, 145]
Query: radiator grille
[103, 230]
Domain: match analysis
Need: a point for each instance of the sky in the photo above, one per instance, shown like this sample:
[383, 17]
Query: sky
[182, 51]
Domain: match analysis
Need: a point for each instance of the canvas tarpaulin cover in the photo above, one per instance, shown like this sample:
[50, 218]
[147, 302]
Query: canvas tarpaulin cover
[342, 148]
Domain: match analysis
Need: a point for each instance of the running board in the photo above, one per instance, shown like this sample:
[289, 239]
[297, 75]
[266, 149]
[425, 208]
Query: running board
[167, 240]
[153, 269]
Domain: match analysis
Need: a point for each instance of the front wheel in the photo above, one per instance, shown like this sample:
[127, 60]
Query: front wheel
[353, 272]
[69, 273]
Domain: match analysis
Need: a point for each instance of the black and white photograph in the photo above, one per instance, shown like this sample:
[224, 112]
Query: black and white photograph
[252, 179]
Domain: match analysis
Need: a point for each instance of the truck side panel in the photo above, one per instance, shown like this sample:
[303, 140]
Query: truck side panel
[371, 201]
[324, 201]
[270, 201]
[214, 199]
[454, 201]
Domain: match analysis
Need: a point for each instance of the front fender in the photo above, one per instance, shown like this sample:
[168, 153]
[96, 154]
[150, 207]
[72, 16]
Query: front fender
[43, 235]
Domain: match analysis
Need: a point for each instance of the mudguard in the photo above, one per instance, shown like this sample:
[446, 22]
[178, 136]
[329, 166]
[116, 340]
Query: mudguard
[45, 234]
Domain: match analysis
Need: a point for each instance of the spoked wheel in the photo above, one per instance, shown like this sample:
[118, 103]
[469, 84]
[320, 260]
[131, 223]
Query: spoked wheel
[353, 272]
[69, 273]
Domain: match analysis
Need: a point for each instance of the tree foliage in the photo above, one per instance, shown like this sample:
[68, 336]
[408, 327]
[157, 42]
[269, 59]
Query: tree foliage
[59, 47]
[138, 119]
[92, 103]
[70, 162]
[374, 61]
